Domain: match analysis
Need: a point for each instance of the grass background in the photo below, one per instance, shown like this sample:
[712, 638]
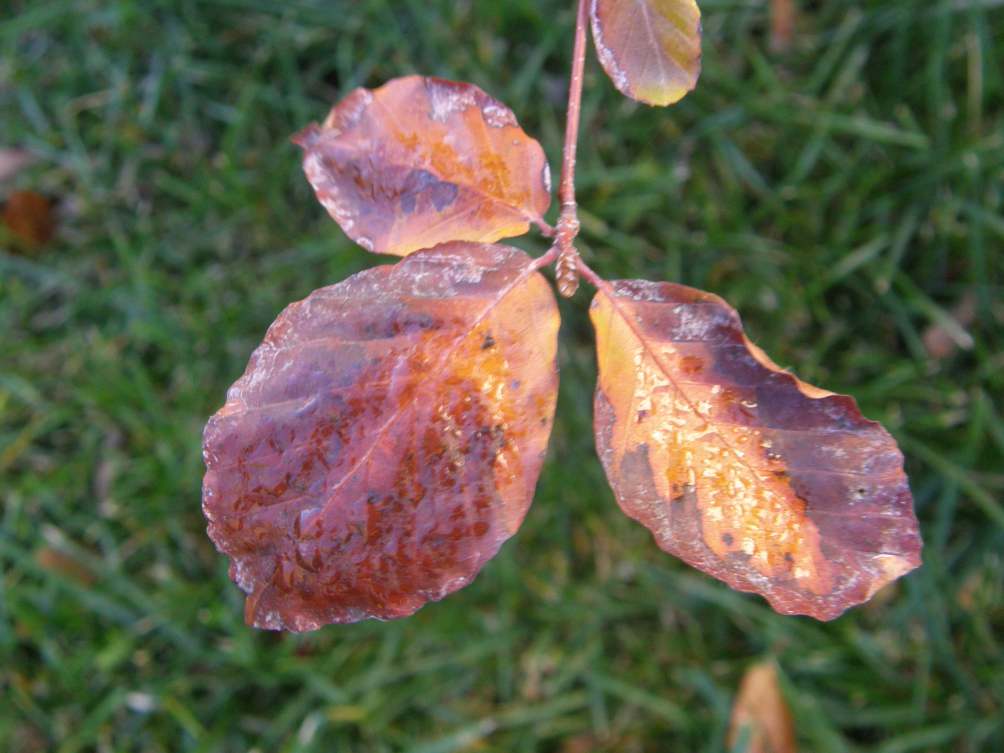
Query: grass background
[844, 195]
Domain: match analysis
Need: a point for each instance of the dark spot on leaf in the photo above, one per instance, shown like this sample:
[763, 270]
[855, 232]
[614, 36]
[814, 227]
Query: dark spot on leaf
[489, 342]
[443, 195]
[691, 365]
[422, 182]
[727, 539]
[312, 566]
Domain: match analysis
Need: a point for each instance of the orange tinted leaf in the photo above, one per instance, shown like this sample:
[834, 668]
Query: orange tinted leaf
[651, 49]
[761, 713]
[422, 161]
[28, 216]
[737, 467]
[948, 333]
[55, 561]
[386, 437]
[782, 24]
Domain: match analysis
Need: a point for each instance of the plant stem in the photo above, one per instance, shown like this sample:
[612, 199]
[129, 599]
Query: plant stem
[568, 221]
[592, 278]
[548, 231]
[546, 260]
[566, 191]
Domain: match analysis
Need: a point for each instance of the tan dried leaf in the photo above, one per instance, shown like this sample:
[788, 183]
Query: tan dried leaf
[63, 564]
[782, 24]
[761, 714]
[28, 217]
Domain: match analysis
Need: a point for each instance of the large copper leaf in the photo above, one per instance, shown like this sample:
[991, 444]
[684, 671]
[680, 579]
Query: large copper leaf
[737, 467]
[422, 161]
[651, 49]
[386, 437]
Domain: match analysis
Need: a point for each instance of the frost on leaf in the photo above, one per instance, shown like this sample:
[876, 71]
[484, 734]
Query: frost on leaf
[422, 161]
[737, 467]
[651, 49]
[386, 437]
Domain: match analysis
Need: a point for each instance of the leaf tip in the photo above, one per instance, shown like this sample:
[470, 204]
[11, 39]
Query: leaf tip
[892, 567]
[306, 137]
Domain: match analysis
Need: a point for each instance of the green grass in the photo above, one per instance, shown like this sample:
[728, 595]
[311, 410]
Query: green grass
[845, 196]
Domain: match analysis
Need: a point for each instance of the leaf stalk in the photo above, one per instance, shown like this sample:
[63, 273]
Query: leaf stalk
[568, 222]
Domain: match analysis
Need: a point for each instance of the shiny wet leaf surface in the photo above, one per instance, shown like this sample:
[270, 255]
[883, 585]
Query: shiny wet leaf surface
[422, 161]
[737, 467]
[386, 437]
[651, 49]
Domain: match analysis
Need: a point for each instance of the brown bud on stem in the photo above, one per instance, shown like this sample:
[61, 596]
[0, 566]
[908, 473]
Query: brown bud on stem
[567, 269]
[567, 273]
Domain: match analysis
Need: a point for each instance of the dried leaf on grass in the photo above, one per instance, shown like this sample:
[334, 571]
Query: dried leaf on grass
[944, 337]
[29, 218]
[782, 24]
[760, 715]
[63, 564]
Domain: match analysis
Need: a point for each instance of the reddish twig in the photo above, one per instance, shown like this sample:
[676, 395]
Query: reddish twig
[546, 260]
[568, 222]
[566, 191]
[546, 229]
[594, 279]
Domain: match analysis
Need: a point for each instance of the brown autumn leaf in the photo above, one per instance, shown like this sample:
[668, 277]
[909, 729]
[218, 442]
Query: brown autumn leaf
[29, 218]
[761, 713]
[56, 561]
[782, 24]
[422, 161]
[737, 467]
[943, 337]
[386, 437]
[650, 49]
